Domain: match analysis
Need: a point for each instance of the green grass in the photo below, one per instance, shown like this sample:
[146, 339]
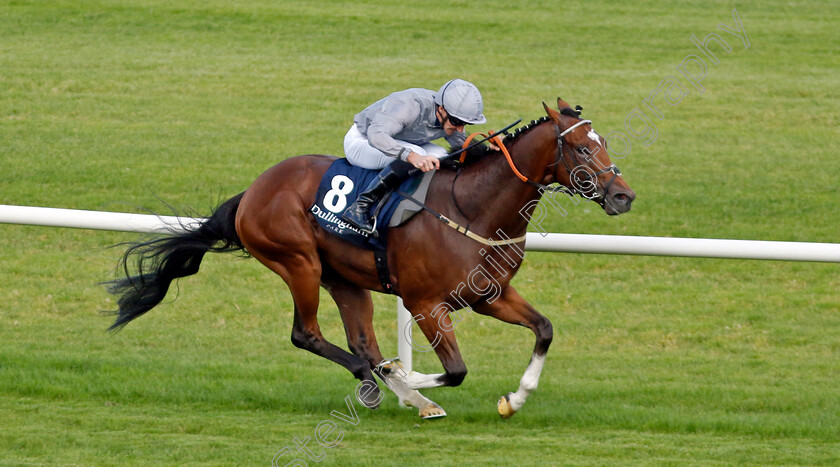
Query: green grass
[122, 105]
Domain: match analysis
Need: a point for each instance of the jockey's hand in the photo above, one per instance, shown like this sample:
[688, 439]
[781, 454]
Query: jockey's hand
[424, 163]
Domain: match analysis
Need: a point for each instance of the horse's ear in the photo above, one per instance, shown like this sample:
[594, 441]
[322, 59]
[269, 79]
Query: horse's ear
[561, 104]
[555, 115]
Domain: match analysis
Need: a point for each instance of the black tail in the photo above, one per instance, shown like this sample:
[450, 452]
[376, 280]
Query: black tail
[164, 259]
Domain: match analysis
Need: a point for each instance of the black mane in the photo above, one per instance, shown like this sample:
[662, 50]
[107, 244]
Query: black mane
[524, 129]
[568, 111]
[479, 152]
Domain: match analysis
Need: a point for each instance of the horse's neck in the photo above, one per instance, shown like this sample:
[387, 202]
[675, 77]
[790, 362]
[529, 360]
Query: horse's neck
[493, 197]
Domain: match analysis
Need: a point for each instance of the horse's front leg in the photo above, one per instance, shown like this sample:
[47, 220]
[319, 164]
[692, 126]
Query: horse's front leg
[356, 308]
[510, 307]
[437, 327]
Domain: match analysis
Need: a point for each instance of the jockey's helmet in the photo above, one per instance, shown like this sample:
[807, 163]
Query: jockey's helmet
[462, 100]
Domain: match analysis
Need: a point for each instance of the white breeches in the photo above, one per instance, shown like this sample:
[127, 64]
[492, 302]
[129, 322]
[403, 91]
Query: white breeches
[361, 154]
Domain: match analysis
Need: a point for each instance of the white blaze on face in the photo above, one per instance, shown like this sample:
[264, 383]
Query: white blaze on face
[597, 138]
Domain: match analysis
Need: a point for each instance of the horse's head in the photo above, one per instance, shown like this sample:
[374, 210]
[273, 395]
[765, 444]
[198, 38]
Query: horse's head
[582, 163]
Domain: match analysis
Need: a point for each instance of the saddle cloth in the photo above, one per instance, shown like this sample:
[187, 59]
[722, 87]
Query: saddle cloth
[342, 184]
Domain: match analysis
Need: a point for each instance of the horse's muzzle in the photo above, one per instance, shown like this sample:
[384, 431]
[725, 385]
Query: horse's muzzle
[618, 202]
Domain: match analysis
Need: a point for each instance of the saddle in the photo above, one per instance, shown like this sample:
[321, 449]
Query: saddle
[342, 184]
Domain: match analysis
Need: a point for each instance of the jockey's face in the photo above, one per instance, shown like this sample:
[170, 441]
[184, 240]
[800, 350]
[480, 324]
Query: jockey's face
[448, 126]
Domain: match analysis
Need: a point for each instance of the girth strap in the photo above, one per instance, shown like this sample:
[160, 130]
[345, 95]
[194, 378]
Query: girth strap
[381, 259]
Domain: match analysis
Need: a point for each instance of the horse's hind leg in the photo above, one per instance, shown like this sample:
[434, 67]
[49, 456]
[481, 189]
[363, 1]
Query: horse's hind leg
[356, 309]
[512, 308]
[289, 248]
[303, 278]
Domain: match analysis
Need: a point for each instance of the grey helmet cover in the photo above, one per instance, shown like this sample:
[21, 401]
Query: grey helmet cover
[462, 100]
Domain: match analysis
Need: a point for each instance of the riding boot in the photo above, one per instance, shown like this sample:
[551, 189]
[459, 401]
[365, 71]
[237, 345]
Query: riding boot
[358, 214]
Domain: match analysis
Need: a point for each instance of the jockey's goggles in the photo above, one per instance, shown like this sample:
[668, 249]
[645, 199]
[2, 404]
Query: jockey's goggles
[455, 121]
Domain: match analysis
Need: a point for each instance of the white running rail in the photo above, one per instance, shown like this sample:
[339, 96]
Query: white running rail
[557, 242]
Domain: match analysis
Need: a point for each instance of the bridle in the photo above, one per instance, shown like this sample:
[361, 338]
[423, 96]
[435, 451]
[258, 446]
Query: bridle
[590, 194]
[576, 182]
[599, 197]
[593, 194]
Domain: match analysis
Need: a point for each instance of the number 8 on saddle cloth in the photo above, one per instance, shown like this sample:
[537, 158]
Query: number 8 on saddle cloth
[341, 185]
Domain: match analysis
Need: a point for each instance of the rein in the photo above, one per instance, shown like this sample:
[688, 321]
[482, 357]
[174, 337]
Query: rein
[561, 145]
[496, 139]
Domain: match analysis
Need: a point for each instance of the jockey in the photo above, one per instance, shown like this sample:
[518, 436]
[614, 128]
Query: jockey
[395, 133]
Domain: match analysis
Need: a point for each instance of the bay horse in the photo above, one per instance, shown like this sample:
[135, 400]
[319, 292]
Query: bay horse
[429, 262]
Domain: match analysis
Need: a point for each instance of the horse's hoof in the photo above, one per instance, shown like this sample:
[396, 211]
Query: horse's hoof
[372, 404]
[432, 410]
[371, 398]
[505, 410]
